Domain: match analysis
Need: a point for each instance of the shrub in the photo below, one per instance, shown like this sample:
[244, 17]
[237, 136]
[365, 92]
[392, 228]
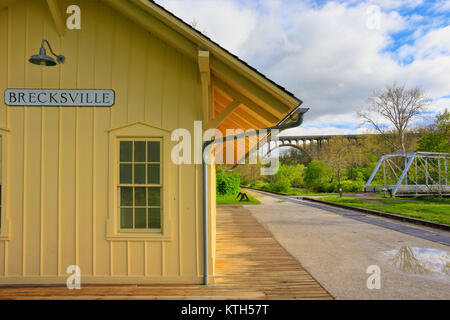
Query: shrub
[330, 187]
[227, 183]
[296, 175]
[352, 186]
[259, 184]
[281, 185]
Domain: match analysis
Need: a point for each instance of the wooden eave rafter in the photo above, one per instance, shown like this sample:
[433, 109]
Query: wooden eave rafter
[56, 16]
[224, 114]
[242, 121]
[222, 100]
[257, 111]
[249, 89]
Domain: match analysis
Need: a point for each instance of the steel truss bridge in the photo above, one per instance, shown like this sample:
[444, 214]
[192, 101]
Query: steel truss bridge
[411, 174]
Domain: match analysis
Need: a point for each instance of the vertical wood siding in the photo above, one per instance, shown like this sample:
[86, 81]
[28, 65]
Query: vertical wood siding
[58, 156]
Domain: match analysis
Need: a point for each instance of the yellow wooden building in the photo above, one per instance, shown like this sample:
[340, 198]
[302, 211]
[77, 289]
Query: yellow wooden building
[95, 186]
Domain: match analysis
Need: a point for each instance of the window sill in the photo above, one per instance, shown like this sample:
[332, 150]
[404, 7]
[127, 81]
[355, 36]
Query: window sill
[113, 234]
[138, 237]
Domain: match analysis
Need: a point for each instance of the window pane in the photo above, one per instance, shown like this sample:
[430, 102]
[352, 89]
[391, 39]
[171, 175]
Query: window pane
[153, 173]
[139, 197]
[140, 219]
[139, 151]
[126, 197]
[154, 220]
[139, 174]
[125, 151]
[125, 173]
[126, 218]
[153, 151]
[154, 197]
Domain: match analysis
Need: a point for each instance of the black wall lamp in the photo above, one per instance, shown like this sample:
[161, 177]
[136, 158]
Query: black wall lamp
[42, 59]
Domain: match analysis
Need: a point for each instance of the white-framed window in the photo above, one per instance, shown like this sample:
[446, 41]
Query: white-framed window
[140, 184]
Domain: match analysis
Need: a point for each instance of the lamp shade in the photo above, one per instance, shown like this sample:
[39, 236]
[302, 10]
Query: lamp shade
[42, 58]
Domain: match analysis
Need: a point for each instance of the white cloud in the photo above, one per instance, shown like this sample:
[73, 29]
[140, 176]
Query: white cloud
[326, 54]
[442, 5]
[439, 105]
[431, 46]
[396, 4]
[226, 22]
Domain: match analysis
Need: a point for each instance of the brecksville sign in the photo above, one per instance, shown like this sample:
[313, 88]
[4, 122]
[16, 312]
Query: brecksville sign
[60, 97]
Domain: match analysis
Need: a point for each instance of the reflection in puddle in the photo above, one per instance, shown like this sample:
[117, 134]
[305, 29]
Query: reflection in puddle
[421, 260]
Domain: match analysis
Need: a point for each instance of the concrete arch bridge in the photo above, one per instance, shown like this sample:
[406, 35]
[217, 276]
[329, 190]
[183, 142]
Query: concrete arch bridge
[306, 144]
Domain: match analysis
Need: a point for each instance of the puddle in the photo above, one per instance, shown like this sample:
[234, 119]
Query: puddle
[420, 260]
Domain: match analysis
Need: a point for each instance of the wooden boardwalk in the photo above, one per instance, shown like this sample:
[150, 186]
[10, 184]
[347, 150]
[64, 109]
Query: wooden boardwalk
[250, 264]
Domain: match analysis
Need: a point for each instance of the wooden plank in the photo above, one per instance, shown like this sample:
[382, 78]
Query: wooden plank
[154, 82]
[136, 85]
[49, 153]
[68, 117]
[85, 131]
[136, 255]
[33, 138]
[3, 63]
[120, 70]
[104, 39]
[188, 212]
[16, 61]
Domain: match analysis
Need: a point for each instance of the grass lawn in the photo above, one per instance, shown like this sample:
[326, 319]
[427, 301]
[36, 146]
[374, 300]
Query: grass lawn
[306, 192]
[429, 208]
[231, 199]
[298, 192]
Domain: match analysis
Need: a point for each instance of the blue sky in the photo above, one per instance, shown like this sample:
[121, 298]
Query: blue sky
[334, 54]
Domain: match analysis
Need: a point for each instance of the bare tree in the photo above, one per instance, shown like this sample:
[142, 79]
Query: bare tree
[396, 105]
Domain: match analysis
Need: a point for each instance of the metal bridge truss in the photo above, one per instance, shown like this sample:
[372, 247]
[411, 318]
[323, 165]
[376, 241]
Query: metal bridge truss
[410, 174]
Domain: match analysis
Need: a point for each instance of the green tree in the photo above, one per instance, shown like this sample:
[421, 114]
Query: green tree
[339, 153]
[317, 174]
[438, 139]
